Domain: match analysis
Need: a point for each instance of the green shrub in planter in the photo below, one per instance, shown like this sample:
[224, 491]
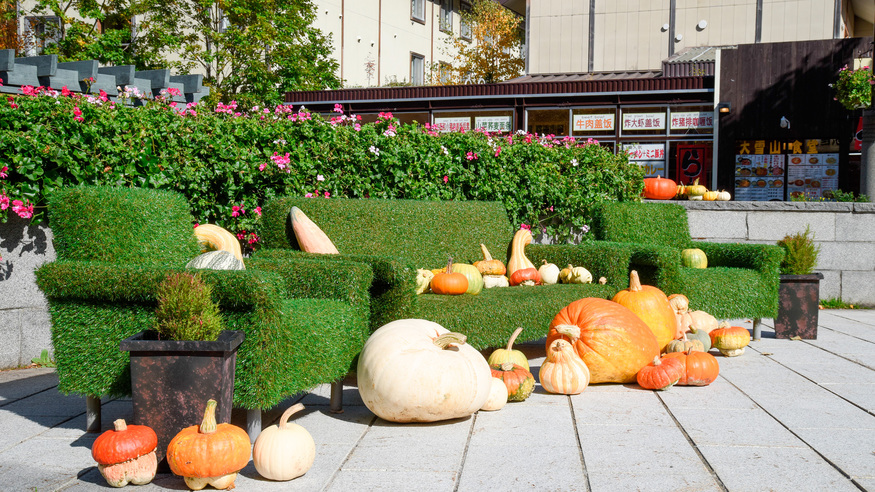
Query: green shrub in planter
[800, 253]
[186, 310]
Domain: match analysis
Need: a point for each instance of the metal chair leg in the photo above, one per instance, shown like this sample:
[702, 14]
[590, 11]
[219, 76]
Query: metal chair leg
[253, 423]
[757, 328]
[336, 405]
[92, 414]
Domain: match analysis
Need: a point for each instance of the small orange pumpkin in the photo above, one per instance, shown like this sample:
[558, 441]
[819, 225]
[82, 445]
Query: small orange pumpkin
[525, 276]
[126, 454]
[209, 454]
[700, 368]
[448, 282]
[661, 374]
[519, 381]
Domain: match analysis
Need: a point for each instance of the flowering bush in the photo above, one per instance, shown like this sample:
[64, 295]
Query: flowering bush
[228, 163]
[854, 87]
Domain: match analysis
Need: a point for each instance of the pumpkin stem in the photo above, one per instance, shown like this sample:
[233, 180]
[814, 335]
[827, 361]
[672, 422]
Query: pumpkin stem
[486, 255]
[446, 339]
[634, 282]
[656, 360]
[284, 419]
[571, 331]
[450, 265]
[507, 366]
[208, 426]
[515, 334]
[120, 425]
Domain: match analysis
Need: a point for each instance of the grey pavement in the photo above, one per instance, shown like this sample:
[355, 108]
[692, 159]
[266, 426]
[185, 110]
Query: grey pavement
[785, 416]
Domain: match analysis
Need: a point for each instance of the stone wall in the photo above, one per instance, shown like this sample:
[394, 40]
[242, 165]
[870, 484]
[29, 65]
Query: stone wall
[844, 231]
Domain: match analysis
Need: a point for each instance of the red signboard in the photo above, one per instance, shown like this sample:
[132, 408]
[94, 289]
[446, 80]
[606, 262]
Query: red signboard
[693, 162]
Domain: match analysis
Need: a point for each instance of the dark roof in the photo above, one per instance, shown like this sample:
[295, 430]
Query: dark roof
[575, 77]
[541, 88]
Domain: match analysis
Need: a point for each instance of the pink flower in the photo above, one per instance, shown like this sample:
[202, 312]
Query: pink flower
[526, 227]
[237, 211]
[446, 178]
[338, 108]
[308, 195]
[65, 91]
[471, 156]
[3, 170]
[25, 211]
[497, 150]
[241, 235]
[4, 202]
[258, 210]
[262, 166]
[196, 224]
[327, 194]
[358, 127]
[77, 114]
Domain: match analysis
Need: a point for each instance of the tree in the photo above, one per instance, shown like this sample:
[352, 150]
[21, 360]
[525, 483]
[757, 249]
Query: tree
[251, 51]
[493, 53]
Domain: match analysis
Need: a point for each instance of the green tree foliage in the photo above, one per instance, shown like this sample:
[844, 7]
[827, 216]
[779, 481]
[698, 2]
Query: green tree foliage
[251, 51]
[494, 52]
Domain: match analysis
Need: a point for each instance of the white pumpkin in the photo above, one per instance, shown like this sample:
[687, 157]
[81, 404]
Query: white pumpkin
[415, 370]
[490, 281]
[284, 451]
[549, 273]
[497, 396]
[575, 275]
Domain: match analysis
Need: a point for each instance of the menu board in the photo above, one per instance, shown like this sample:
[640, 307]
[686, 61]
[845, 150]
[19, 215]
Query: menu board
[760, 177]
[812, 175]
[649, 156]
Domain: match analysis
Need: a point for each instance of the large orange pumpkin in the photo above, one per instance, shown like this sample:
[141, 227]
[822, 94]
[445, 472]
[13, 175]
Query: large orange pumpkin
[652, 306]
[611, 339]
[660, 188]
[209, 453]
[700, 368]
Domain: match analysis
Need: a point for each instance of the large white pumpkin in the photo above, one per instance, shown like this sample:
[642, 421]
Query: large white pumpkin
[408, 373]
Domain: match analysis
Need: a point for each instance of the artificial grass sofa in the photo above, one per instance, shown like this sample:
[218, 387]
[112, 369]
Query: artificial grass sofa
[114, 245]
[741, 280]
[395, 237]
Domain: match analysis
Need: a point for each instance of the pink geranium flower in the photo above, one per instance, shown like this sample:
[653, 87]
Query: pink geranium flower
[3, 170]
[4, 202]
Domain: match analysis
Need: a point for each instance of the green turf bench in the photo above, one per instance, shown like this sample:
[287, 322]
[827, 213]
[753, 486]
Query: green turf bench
[395, 237]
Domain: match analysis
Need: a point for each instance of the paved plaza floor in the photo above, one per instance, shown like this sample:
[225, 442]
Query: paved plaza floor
[788, 415]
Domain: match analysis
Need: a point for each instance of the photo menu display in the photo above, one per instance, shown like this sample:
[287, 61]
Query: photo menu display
[760, 177]
[812, 175]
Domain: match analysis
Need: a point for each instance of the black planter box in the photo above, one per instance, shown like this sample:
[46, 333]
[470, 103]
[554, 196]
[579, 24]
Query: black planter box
[171, 381]
[798, 306]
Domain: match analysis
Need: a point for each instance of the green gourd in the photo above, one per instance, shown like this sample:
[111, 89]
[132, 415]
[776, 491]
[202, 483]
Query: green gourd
[475, 279]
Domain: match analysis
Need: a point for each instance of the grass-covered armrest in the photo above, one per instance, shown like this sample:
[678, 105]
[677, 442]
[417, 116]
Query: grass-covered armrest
[601, 258]
[763, 257]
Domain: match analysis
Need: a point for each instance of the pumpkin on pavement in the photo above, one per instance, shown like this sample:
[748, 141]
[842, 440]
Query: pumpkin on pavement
[660, 374]
[497, 396]
[414, 370]
[284, 451]
[209, 453]
[519, 381]
[652, 306]
[700, 368]
[563, 372]
[611, 339]
[730, 340]
[508, 354]
[126, 454]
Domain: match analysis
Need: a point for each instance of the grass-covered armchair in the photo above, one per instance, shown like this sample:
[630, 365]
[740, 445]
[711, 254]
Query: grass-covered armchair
[398, 236]
[741, 279]
[114, 245]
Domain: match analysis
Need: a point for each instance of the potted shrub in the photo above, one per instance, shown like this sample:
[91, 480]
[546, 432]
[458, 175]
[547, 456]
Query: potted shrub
[854, 87]
[799, 291]
[186, 360]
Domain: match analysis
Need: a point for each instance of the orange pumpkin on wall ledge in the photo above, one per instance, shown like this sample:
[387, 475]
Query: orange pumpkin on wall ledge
[660, 188]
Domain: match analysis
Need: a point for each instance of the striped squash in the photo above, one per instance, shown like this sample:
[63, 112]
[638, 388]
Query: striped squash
[212, 237]
[216, 260]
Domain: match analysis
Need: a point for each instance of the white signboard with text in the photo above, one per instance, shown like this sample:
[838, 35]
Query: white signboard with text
[493, 123]
[643, 121]
[593, 122]
[649, 156]
[456, 124]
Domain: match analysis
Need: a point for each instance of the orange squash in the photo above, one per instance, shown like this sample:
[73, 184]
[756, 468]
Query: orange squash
[449, 282]
[209, 454]
[730, 340]
[652, 306]
[310, 237]
[518, 260]
[700, 368]
[488, 265]
[661, 374]
[611, 339]
[126, 454]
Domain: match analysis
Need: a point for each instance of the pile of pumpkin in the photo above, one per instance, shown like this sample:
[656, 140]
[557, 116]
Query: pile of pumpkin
[207, 454]
[660, 188]
[464, 278]
[415, 370]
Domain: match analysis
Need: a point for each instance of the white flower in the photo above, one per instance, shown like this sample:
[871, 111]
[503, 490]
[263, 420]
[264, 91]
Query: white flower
[374, 150]
[574, 162]
[320, 178]
[444, 150]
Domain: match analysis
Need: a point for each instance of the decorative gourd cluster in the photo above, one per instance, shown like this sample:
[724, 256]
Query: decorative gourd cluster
[490, 272]
[660, 188]
[210, 453]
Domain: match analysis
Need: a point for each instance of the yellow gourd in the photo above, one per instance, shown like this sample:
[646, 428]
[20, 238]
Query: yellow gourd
[518, 260]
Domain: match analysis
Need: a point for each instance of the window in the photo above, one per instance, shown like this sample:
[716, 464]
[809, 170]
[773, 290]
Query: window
[417, 69]
[444, 73]
[465, 21]
[41, 31]
[446, 19]
[417, 10]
